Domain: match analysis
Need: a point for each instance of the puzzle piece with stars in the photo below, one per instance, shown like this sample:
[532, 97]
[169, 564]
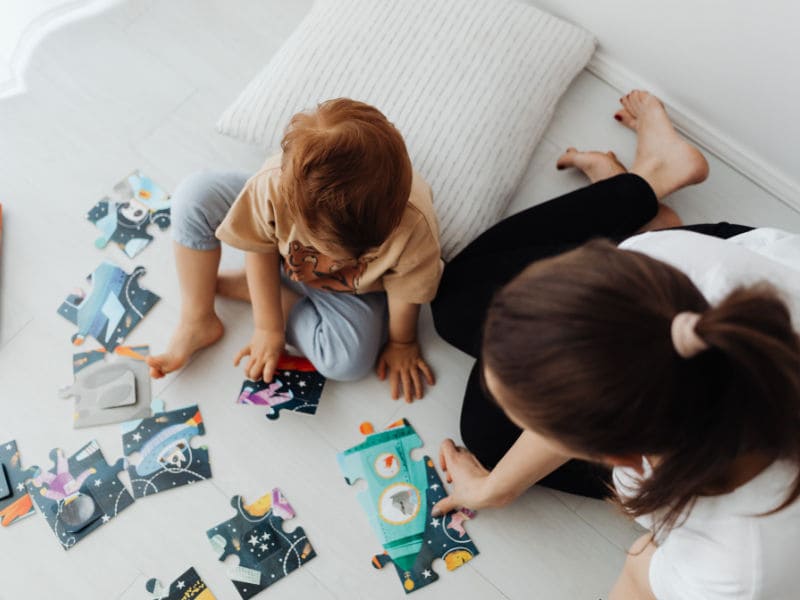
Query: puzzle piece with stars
[188, 586]
[399, 498]
[158, 450]
[79, 494]
[114, 306]
[296, 386]
[255, 535]
[124, 216]
[15, 502]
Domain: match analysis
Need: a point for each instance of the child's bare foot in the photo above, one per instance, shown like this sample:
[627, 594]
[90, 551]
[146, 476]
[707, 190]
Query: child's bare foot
[595, 165]
[233, 284]
[189, 337]
[663, 158]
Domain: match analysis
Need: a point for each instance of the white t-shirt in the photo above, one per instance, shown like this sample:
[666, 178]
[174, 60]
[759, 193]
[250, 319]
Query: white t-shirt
[723, 550]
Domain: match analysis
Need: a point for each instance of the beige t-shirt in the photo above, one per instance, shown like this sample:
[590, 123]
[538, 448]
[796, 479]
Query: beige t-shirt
[407, 265]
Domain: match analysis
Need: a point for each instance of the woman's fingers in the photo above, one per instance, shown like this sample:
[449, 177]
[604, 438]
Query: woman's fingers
[444, 506]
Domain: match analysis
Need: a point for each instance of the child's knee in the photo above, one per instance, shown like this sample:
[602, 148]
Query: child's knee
[345, 367]
[197, 210]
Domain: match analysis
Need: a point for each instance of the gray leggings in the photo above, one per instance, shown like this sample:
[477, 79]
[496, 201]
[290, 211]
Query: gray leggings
[341, 334]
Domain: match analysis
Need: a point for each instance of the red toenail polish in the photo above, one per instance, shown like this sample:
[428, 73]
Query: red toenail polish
[618, 118]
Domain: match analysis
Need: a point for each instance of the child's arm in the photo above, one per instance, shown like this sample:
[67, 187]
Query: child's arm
[474, 487]
[401, 358]
[267, 342]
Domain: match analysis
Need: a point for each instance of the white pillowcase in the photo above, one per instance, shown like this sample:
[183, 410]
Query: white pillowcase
[471, 85]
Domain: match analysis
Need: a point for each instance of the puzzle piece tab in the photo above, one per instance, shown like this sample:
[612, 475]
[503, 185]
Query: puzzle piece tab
[188, 586]
[165, 458]
[399, 498]
[79, 494]
[255, 535]
[114, 306]
[296, 386]
[110, 388]
[124, 216]
[15, 502]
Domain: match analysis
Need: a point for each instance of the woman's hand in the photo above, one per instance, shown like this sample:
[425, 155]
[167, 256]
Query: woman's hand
[403, 362]
[265, 349]
[471, 484]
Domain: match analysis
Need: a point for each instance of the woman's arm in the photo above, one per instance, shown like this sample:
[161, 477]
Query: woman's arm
[527, 461]
[634, 581]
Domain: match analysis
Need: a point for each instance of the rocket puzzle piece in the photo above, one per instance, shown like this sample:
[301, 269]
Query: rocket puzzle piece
[255, 535]
[15, 502]
[110, 389]
[123, 217]
[400, 495]
[165, 458]
[296, 386]
[188, 586]
[80, 494]
[114, 306]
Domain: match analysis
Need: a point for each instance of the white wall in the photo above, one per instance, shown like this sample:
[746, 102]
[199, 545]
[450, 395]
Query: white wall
[731, 65]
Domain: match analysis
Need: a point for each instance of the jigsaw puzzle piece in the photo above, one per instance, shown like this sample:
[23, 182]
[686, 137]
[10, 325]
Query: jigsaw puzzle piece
[255, 535]
[296, 386]
[109, 389]
[398, 501]
[15, 502]
[114, 306]
[189, 586]
[123, 217]
[165, 458]
[79, 494]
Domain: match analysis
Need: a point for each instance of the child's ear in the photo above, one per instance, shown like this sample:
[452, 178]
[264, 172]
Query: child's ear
[631, 461]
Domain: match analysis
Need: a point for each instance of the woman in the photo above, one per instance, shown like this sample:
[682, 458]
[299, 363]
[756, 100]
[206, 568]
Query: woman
[618, 360]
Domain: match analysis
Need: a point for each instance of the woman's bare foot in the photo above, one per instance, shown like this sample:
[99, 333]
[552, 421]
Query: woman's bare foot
[190, 336]
[595, 165]
[663, 158]
[233, 284]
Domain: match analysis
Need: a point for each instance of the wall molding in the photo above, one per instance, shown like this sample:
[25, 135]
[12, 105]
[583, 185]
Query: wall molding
[738, 157]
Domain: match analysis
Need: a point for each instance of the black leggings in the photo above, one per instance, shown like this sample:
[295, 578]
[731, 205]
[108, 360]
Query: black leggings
[615, 209]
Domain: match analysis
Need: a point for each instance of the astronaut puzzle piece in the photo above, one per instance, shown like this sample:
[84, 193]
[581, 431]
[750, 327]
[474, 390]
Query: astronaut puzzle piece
[124, 216]
[109, 388]
[80, 493]
[255, 535]
[296, 386]
[158, 452]
[400, 495]
[113, 307]
[188, 586]
[15, 502]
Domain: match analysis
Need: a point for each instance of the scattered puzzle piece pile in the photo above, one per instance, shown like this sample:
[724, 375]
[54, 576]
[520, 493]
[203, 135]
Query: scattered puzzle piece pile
[255, 535]
[15, 502]
[188, 586]
[296, 386]
[400, 495]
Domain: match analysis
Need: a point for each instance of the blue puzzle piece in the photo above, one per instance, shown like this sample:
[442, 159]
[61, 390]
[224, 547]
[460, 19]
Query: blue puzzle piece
[296, 387]
[255, 535]
[114, 306]
[80, 493]
[398, 501]
[15, 502]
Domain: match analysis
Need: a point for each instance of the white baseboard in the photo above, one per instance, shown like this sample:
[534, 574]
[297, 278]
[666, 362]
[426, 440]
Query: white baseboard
[756, 169]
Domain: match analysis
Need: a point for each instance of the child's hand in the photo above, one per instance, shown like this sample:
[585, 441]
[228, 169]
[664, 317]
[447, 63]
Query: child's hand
[403, 363]
[470, 480]
[264, 350]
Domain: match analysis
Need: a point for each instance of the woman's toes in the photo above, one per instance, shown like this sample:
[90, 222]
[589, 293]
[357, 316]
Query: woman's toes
[626, 118]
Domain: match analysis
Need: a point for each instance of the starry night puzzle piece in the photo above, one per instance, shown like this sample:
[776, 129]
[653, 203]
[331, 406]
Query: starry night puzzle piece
[109, 389]
[296, 386]
[113, 307]
[255, 535]
[400, 495]
[164, 457]
[79, 494]
[123, 217]
[15, 502]
[188, 586]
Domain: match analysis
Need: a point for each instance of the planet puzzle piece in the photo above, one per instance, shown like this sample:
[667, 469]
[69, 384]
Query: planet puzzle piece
[296, 386]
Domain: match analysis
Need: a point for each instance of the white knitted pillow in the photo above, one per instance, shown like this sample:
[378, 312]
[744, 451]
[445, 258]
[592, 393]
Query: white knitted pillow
[471, 84]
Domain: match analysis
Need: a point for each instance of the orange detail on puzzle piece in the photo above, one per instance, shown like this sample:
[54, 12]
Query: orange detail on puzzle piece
[14, 511]
[128, 352]
[296, 363]
[366, 428]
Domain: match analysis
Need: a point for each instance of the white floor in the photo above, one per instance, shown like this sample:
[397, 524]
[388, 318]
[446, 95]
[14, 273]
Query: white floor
[141, 86]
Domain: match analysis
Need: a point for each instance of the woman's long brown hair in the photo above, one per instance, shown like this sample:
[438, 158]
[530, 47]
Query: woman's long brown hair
[582, 344]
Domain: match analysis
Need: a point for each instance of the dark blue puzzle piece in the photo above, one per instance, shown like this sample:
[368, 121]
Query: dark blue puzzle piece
[114, 306]
[80, 494]
[15, 502]
[188, 586]
[296, 386]
[166, 458]
[255, 535]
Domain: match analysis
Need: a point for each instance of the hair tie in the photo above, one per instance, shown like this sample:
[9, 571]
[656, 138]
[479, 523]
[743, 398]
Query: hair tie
[684, 338]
